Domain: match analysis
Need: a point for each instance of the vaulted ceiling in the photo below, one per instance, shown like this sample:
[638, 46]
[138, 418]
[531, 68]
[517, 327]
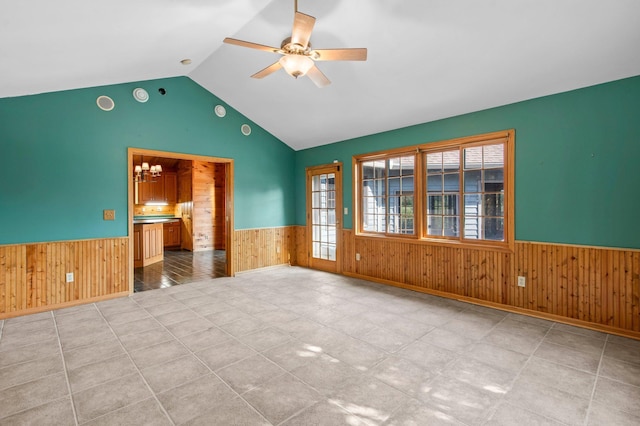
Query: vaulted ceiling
[427, 59]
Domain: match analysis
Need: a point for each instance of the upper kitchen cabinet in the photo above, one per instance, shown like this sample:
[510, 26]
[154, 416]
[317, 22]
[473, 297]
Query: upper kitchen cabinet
[185, 177]
[163, 189]
[151, 191]
[171, 187]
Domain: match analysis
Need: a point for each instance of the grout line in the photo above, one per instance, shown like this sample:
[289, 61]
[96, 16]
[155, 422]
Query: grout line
[200, 359]
[285, 372]
[138, 371]
[311, 287]
[309, 406]
[531, 356]
[66, 371]
[595, 383]
[176, 264]
[65, 397]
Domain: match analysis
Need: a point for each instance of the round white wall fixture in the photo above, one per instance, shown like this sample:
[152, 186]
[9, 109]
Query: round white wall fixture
[105, 103]
[245, 129]
[140, 95]
[220, 110]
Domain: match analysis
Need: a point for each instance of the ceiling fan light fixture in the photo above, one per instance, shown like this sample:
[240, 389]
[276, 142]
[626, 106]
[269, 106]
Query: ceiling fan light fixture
[298, 56]
[296, 65]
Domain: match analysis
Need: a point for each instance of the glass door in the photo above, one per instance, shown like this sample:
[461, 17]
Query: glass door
[324, 214]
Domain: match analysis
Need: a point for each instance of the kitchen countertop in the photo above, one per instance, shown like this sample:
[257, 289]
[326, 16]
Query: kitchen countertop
[148, 220]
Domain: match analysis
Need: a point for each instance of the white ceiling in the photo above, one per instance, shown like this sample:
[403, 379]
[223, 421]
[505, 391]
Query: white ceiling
[428, 59]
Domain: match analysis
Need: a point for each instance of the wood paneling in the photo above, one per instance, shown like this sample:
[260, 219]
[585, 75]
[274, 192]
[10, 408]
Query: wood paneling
[202, 195]
[219, 207]
[185, 193]
[591, 284]
[185, 207]
[260, 248]
[171, 187]
[33, 276]
[186, 230]
[203, 205]
[594, 287]
[348, 251]
[301, 248]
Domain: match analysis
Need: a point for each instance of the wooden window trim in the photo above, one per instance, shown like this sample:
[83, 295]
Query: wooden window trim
[416, 189]
[507, 137]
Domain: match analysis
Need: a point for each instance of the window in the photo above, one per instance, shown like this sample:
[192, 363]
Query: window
[443, 193]
[465, 187]
[387, 195]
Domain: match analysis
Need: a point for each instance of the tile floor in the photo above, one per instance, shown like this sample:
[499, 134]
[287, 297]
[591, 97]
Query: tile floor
[180, 267]
[292, 346]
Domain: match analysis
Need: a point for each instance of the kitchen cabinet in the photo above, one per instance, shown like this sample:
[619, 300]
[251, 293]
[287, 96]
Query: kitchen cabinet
[163, 189]
[151, 191]
[171, 234]
[185, 174]
[171, 187]
[148, 244]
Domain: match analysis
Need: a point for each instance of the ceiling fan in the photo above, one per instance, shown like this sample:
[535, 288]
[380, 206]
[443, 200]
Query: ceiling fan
[298, 58]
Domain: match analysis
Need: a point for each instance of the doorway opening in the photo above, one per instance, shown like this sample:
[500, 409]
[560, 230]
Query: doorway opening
[180, 220]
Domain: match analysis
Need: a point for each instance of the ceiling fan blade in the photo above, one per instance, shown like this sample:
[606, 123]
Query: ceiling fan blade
[357, 54]
[268, 70]
[318, 77]
[302, 27]
[250, 45]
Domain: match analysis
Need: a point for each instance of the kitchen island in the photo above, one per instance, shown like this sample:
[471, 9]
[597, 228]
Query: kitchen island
[151, 235]
[148, 245]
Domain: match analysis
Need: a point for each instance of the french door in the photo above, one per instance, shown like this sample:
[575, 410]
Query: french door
[324, 216]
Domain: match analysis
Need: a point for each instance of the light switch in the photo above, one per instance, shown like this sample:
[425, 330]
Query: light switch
[346, 210]
[109, 214]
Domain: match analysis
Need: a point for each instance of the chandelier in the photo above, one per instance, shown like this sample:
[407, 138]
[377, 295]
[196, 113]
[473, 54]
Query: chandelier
[144, 173]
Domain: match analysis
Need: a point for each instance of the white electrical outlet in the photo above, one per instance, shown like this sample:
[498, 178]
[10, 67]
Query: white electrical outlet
[357, 256]
[69, 277]
[522, 281]
[278, 249]
[346, 210]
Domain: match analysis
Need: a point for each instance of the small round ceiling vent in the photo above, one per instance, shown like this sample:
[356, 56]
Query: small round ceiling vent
[105, 103]
[140, 95]
[220, 110]
[245, 129]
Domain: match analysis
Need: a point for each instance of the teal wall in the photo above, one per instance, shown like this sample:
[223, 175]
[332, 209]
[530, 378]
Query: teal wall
[577, 162]
[63, 160]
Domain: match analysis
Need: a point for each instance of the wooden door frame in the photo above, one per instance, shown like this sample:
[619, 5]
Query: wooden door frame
[331, 167]
[228, 162]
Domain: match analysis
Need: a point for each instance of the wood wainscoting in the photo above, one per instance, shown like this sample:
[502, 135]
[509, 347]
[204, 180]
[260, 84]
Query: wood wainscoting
[33, 276]
[593, 287]
[264, 247]
[301, 247]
